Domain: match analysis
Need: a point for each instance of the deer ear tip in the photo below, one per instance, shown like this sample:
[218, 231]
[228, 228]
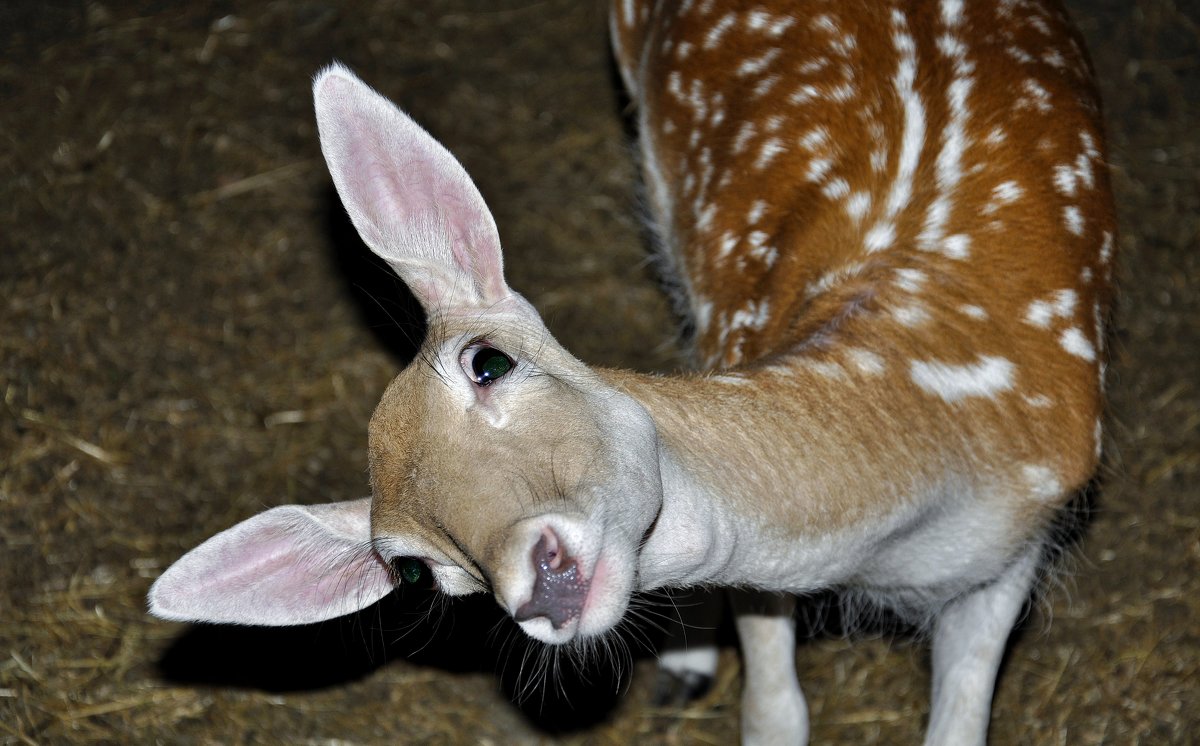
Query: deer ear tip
[158, 602]
[333, 77]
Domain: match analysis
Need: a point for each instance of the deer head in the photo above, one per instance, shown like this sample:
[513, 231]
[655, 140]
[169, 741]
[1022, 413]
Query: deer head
[499, 462]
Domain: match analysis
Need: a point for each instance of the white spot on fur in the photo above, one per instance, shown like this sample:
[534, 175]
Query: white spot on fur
[757, 20]
[1039, 97]
[844, 45]
[912, 138]
[1003, 193]
[973, 311]
[911, 315]
[728, 241]
[817, 168]
[1064, 179]
[755, 315]
[824, 22]
[1007, 191]
[767, 152]
[1038, 401]
[718, 31]
[1054, 58]
[1106, 248]
[756, 65]
[842, 92]
[910, 280]
[814, 65]
[815, 138]
[867, 362]
[698, 100]
[1083, 169]
[831, 278]
[1042, 482]
[879, 159]
[858, 205]
[689, 182]
[764, 85]
[952, 12]
[780, 26]
[1089, 144]
[989, 377]
[757, 210]
[1061, 304]
[757, 241]
[1073, 341]
[627, 16]
[836, 188]
[935, 220]
[1020, 55]
[880, 237]
[957, 246]
[955, 140]
[743, 136]
[804, 93]
[675, 85]
[1073, 219]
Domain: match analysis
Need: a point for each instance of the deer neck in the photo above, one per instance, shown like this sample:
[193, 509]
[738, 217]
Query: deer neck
[755, 489]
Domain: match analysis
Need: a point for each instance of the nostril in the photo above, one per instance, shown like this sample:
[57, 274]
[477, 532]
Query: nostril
[559, 588]
[549, 557]
[546, 551]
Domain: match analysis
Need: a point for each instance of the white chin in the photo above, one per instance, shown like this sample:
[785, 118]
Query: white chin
[602, 611]
[540, 628]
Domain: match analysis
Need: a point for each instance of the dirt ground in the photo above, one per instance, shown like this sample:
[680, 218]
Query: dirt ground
[189, 333]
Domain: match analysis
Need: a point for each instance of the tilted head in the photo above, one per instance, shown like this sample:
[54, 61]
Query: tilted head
[497, 459]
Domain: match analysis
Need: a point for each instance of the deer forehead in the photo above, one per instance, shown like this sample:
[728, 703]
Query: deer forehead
[438, 443]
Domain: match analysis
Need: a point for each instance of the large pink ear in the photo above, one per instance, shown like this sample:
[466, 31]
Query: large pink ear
[289, 565]
[409, 199]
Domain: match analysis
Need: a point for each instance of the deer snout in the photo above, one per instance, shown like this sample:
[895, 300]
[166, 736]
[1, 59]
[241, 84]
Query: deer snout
[562, 576]
[559, 585]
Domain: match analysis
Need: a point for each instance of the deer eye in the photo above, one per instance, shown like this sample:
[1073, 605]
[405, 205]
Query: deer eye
[488, 365]
[410, 569]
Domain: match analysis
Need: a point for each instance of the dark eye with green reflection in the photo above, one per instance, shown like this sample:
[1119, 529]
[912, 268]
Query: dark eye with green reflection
[411, 570]
[489, 364]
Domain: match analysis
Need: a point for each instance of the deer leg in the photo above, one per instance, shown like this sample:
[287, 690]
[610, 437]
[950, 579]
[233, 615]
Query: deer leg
[687, 661]
[773, 707]
[969, 638]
